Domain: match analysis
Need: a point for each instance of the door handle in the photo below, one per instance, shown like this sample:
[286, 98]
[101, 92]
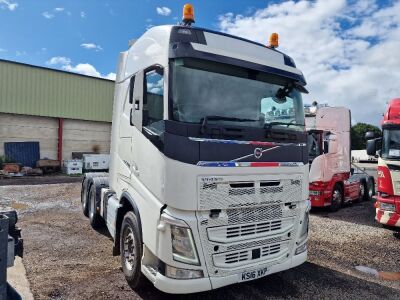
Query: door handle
[135, 169]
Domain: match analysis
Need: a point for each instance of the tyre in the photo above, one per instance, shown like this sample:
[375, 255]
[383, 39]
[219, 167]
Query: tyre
[363, 190]
[337, 198]
[131, 251]
[370, 190]
[84, 198]
[94, 218]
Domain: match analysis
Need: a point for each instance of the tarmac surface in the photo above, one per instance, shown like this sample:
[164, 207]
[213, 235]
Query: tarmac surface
[66, 259]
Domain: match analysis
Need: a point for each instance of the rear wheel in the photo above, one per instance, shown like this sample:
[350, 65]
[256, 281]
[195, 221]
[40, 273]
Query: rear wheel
[84, 198]
[337, 198]
[131, 251]
[94, 218]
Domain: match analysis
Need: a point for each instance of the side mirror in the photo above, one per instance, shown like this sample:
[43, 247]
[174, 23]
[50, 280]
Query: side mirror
[351, 171]
[369, 135]
[371, 147]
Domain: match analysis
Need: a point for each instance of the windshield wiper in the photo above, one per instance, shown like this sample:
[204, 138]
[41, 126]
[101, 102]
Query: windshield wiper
[221, 118]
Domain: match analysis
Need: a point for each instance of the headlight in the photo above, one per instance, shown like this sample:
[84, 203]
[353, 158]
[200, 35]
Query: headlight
[183, 246]
[304, 227]
[304, 224]
[178, 273]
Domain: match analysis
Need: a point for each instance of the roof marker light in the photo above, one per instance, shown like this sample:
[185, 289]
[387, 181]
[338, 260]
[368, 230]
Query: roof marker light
[188, 14]
[274, 40]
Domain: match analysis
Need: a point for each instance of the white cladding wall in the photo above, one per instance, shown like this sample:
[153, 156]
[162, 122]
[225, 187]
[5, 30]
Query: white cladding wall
[78, 135]
[23, 128]
[82, 136]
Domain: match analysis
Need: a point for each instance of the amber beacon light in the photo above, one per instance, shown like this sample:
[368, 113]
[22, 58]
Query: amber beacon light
[274, 40]
[188, 14]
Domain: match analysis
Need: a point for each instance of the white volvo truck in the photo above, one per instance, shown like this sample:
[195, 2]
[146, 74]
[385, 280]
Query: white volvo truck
[208, 179]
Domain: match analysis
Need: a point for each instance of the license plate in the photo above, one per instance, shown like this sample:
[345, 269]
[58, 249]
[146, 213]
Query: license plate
[251, 275]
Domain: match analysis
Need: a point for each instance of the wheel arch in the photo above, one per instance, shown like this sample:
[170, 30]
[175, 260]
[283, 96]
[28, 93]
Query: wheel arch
[127, 203]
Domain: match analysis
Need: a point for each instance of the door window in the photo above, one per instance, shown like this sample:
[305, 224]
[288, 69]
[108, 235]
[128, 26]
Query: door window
[153, 106]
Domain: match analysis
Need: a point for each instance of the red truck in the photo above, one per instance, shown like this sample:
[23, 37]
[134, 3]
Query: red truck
[388, 199]
[332, 180]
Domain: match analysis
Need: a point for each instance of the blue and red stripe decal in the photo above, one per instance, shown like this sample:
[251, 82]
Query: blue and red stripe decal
[230, 164]
[254, 143]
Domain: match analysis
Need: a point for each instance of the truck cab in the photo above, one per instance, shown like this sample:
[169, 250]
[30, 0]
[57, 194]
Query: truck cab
[388, 199]
[208, 181]
[332, 181]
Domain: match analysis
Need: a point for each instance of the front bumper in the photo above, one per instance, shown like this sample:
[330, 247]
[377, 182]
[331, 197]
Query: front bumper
[388, 217]
[319, 197]
[186, 286]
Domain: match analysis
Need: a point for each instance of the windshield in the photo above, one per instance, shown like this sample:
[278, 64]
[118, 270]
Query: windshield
[391, 144]
[226, 94]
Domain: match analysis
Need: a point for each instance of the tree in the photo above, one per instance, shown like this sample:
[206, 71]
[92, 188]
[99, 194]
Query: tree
[358, 141]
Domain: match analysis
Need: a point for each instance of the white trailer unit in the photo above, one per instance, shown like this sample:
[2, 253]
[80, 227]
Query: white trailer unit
[73, 166]
[96, 162]
[208, 180]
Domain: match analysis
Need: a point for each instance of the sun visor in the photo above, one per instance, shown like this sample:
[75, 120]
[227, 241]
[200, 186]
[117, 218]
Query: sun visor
[335, 119]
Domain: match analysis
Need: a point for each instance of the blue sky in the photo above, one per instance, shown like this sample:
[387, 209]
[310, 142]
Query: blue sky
[348, 50]
[38, 30]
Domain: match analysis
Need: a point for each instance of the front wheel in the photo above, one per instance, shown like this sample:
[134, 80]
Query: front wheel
[363, 191]
[131, 251]
[370, 189]
[337, 198]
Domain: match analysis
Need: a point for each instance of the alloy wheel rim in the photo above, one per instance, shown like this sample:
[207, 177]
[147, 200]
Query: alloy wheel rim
[362, 190]
[129, 249]
[337, 197]
[370, 190]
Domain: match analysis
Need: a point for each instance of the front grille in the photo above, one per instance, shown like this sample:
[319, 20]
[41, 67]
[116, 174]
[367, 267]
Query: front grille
[248, 255]
[247, 215]
[235, 259]
[251, 229]
[244, 222]
[242, 194]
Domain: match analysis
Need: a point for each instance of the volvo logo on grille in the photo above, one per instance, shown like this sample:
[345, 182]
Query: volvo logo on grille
[258, 152]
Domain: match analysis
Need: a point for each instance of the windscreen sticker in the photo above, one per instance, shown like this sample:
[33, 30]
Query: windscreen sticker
[394, 152]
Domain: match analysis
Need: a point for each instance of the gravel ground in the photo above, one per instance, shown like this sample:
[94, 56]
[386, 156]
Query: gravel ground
[66, 259]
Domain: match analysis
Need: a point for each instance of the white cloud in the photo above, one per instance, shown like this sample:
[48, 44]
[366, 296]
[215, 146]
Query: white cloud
[65, 63]
[348, 51]
[83, 14]
[163, 11]
[91, 46]
[85, 69]
[111, 76]
[3, 50]
[59, 60]
[48, 15]
[52, 14]
[5, 4]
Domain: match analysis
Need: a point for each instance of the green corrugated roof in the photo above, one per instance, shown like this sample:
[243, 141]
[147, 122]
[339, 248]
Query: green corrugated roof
[39, 91]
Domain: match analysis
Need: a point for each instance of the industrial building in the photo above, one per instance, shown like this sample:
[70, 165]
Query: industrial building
[50, 113]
